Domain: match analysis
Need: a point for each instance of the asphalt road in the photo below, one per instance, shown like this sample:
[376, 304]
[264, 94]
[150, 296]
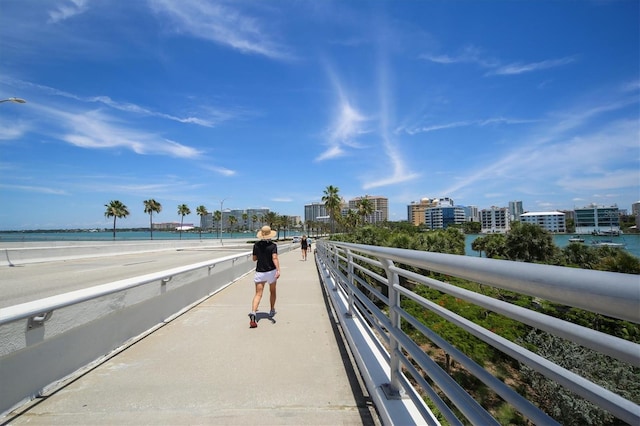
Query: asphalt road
[33, 281]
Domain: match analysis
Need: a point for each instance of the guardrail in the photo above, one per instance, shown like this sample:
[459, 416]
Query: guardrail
[48, 340]
[360, 278]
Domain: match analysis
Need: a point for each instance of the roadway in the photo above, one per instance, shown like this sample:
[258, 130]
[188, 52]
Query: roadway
[35, 280]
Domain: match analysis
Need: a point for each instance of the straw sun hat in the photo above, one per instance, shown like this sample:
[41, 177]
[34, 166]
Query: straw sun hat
[266, 233]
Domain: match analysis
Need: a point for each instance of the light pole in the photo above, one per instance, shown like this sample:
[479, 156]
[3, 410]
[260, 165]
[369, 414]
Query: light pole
[221, 217]
[14, 100]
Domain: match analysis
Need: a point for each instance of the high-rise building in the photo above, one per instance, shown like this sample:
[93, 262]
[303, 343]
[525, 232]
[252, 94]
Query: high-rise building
[415, 211]
[380, 208]
[495, 220]
[550, 221]
[315, 212]
[515, 210]
[472, 214]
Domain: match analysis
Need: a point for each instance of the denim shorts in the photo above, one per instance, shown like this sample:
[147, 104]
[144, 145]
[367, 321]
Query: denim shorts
[268, 277]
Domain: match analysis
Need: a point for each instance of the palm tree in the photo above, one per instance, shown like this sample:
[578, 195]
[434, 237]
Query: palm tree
[270, 218]
[217, 217]
[365, 208]
[232, 221]
[331, 201]
[352, 219]
[245, 216]
[254, 219]
[183, 210]
[202, 212]
[116, 209]
[151, 206]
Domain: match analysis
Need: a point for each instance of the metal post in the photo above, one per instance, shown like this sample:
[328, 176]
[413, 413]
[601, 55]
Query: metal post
[394, 388]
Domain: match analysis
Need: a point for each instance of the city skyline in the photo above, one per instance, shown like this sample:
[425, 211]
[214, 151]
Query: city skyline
[264, 105]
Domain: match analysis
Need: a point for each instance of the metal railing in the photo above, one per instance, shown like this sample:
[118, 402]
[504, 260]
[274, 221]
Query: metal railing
[362, 278]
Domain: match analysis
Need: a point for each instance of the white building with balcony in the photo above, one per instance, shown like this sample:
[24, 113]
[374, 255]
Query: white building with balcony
[550, 221]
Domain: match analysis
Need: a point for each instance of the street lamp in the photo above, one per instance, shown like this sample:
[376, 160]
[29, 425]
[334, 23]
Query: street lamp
[221, 216]
[15, 100]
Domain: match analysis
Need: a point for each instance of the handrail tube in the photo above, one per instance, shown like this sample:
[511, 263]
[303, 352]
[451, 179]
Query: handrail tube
[36, 307]
[508, 394]
[616, 347]
[581, 288]
[472, 410]
[600, 396]
[444, 409]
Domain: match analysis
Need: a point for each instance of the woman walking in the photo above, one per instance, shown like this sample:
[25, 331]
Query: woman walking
[304, 246]
[265, 252]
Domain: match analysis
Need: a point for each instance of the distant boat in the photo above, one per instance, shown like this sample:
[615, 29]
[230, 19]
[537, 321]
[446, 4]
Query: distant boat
[606, 243]
[576, 239]
[608, 233]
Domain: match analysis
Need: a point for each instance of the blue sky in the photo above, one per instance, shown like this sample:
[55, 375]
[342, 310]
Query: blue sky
[266, 103]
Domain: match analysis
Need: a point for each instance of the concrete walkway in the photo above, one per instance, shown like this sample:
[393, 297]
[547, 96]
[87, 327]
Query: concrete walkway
[207, 367]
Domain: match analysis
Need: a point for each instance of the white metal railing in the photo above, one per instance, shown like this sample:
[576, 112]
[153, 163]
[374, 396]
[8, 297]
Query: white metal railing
[354, 274]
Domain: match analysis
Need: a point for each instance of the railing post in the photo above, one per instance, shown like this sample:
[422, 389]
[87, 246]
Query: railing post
[351, 279]
[394, 389]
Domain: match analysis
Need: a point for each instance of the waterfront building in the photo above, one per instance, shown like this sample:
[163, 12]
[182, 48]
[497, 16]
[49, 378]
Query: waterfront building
[442, 216]
[549, 221]
[515, 210]
[315, 212]
[415, 210]
[495, 220]
[595, 219]
[380, 208]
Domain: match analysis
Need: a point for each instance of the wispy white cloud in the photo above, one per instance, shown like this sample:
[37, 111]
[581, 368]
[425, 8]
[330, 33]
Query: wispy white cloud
[474, 55]
[456, 124]
[221, 23]
[223, 171]
[32, 188]
[67, 9]
[516, 68]
[468, 55]
[568, 154]
[396, 168]
[347, 125]
[96, 130]
[215, 116]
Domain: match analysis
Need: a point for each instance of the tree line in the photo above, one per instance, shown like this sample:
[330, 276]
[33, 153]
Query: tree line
[117, 210]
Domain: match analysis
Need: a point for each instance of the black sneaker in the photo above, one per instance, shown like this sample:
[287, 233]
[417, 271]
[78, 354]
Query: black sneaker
[252, 321]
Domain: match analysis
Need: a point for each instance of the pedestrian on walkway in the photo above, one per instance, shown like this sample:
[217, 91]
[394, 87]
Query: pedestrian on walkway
[303, 247]
[265, 252]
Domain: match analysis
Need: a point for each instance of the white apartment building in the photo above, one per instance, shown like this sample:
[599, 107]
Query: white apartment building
[550, 221]
[495, 220]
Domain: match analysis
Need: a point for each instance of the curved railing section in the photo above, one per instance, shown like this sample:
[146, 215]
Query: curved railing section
[363, 283]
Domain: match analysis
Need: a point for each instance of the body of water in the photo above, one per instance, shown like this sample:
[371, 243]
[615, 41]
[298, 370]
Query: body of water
[631, 241]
